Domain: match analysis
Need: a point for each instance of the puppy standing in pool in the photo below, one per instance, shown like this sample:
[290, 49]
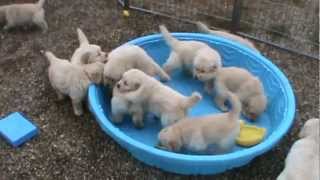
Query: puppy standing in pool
[150, 95]
[24, 14]
[247, 87]
[128, 57]
[197, 133]
[303, 160]
[193, 56]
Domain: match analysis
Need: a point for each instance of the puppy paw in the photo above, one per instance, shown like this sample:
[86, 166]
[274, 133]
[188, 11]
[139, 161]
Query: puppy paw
[78, 112]
[117, 119]
[165, 77]
[138, 124]
[167, 69]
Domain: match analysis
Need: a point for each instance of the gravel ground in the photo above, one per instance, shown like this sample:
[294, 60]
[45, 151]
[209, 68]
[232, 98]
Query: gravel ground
[72, 147]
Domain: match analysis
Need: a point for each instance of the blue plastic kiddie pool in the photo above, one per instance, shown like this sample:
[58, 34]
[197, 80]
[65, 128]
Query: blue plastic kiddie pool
[277, 119]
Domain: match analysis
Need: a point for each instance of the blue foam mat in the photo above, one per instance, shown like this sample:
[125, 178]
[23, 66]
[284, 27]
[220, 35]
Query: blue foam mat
[16, 129]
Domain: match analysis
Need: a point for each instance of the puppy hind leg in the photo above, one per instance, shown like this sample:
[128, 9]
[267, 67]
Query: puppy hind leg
[8, 26]
[40, 21]
[221, 96]
[172, 63]
[60, 95]
[77, 107]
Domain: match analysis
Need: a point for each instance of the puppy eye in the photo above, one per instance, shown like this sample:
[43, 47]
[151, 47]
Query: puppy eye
[125, 83]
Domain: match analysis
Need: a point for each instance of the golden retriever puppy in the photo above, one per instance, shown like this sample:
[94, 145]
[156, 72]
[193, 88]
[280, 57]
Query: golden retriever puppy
[141, 89]
[24, 14]
[87, 53]
[68, 80]
[198, 133]
[303, 160]
[204, 28]
[194, 56]
[128, 57]
[247, 87]
[120, 106]
[90, 57]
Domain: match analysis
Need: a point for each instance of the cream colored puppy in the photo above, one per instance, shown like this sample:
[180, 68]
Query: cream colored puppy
[24, 14]
[247, 87]
[194, 56]
[120, 106]
[204, 28]
[87, 53]
[68, 80]
[198, 133]
[167, 104]
[128, 57]
[303, 160]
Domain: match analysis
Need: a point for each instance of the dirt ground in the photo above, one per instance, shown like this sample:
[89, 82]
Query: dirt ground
[70, 147]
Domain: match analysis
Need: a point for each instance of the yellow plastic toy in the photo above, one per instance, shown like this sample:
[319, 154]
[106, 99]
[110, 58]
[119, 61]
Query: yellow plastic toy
[250, 135]
[126, 13]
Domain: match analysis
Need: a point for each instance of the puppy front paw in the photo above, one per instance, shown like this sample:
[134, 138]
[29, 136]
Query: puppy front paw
[167, 68]
[138, 124]
[165, 78]
[117, 118]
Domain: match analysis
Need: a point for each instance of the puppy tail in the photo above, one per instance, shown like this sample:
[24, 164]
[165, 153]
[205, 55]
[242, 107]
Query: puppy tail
[40, 3]
[191, 100]
[282, 176]
[236, 106]
[203, 28]
[82, 37]
[50, 56]
[170, 40]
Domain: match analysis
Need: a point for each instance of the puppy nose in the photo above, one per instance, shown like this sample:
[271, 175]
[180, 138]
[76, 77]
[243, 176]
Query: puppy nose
[118, 85]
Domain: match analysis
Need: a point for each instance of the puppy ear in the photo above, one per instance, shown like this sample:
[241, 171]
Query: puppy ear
[136, 85]
[84, 59]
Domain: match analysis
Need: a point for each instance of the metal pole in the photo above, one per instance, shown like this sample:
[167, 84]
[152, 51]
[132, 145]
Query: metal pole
[126, 5]
[236, 16]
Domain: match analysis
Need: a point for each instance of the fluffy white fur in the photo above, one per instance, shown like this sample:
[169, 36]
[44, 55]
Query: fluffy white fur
[68, 80]
[87, 53]
[120, 106]
[302, 162]
[128, 57]
[247, 87]
[198, 133]
[24, 14]
[204, 28]
[143, 90]
[194, 56]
